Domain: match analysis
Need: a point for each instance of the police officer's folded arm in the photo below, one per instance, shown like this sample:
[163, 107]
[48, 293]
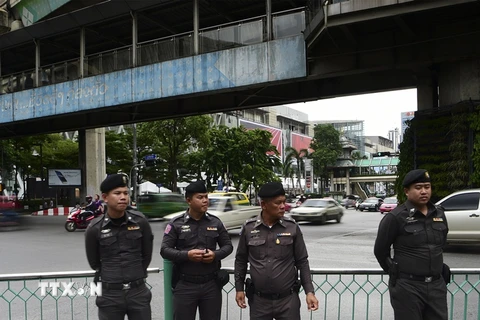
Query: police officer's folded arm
[147, 243]
[301, 262]
[241, 259]
[387, 232]
[169, 251]
[91, 246]
[225, 244]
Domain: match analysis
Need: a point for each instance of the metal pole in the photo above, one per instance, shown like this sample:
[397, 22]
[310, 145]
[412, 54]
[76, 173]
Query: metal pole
[82, 52]
[167, 289]
[37, 63]
[269, 19]
[134, 38]
[41, 174]
[134, 181]
[196, 24]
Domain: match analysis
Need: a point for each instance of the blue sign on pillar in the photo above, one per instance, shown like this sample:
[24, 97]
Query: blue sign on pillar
[220, 185]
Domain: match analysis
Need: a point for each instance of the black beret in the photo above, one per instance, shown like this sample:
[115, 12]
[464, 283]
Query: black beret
[271, 190]
[416, 176]
[196, 187]
[113, 181]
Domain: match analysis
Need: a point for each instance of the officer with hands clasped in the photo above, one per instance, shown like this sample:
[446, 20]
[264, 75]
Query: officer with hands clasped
[417, 229]
[274, 247]
[190, 242]
[119, 247]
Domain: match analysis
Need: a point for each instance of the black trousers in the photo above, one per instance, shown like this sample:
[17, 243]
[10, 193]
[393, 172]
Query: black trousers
[287, 308]
[416, 300]
[188, 296]
[115, 304]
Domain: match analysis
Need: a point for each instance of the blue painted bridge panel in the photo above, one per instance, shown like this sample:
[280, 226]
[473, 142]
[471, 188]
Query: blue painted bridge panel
[281, 59]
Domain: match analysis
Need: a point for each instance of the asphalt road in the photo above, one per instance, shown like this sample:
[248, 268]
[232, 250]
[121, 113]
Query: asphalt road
[45, 246]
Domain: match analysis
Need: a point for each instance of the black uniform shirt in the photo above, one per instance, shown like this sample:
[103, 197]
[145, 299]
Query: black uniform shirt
[183, 233]
[121, 251]
[275, 253]
[417, 239]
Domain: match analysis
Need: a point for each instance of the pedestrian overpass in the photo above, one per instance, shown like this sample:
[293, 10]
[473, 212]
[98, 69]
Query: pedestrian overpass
[127, 61]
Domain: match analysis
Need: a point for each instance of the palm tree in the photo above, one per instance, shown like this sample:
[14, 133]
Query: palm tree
[297, 156]
[287, 172]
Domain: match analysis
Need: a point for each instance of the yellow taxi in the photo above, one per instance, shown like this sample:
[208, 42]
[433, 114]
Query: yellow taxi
[241, 198]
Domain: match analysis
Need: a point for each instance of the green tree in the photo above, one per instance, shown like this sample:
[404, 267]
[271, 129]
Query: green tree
[246, 157]
[119, 151]
[327, 148]
[296, 156]
[406, 159]
[171, 139]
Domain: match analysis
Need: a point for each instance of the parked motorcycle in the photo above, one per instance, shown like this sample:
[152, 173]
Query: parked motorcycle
[75, 221]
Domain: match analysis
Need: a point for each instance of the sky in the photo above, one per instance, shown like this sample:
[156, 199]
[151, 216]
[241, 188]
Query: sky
[381, 111]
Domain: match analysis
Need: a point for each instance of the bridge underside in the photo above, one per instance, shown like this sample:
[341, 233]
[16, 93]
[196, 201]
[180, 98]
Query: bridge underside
[383, 49]
[209, 102]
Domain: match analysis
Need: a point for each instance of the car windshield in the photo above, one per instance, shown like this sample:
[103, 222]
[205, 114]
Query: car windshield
[315, 203]
[371, 201]
[213, 203]
[390, 200]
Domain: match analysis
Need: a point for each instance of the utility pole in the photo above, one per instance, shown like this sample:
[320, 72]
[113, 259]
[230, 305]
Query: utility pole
[133, 180]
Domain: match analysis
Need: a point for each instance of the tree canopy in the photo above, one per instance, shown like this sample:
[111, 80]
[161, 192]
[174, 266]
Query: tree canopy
[327, 148]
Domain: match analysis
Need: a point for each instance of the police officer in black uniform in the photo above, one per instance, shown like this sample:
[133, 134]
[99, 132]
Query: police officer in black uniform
[274, 247]
[119, 246]
[417, 229]
[190, 242]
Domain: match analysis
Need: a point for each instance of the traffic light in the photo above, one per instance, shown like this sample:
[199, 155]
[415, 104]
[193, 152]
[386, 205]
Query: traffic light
[381, 154]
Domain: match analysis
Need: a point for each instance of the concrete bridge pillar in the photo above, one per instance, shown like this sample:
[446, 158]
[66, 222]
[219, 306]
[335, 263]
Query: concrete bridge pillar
[92, 160]
[427, 90]
[459, 81]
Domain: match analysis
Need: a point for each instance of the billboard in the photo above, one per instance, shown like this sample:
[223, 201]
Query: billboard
[301, 141]
[64, 177]
[277, 138]
[404, 117]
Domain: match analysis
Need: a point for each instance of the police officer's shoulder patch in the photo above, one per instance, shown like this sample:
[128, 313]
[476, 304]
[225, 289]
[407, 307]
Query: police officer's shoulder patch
[289, 219]
[398, 210]
[251, 220]
[176, 218]
[213, 216]
[136, 213]
[96, 220]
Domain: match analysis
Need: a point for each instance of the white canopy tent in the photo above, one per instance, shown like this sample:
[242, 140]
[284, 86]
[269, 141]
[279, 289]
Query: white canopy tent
[150, 187]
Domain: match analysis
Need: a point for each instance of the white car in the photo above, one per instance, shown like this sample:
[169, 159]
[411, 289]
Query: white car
[318, 211]
[232, 215]
[462, 209]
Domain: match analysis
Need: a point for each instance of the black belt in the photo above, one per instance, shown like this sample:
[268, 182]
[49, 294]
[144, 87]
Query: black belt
[418, 278]
[123, 286]
[274, 296]
[199, 279]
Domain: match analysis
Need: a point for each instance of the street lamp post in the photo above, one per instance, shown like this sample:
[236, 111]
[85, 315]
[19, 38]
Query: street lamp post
[130, 182]
[41, 168]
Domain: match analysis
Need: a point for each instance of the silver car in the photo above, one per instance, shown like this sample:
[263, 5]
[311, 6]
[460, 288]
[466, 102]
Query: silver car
[463, 215]
[318, 211]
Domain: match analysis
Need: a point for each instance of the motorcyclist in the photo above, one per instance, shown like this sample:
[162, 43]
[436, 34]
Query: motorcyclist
[90, 208]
